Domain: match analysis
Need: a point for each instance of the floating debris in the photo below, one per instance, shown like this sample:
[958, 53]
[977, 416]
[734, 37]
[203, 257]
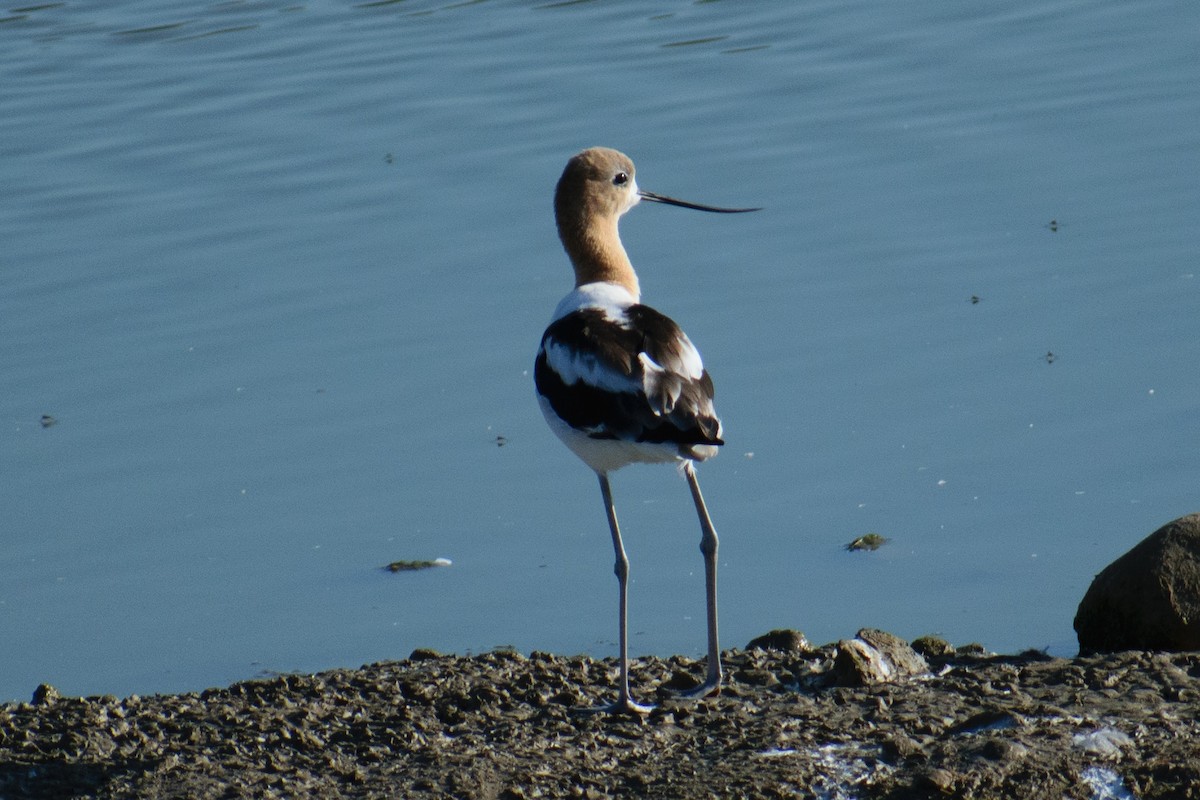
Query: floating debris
[409, 566]
[870, 541]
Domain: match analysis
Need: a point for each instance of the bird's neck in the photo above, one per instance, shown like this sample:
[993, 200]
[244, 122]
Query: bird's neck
[597, 254]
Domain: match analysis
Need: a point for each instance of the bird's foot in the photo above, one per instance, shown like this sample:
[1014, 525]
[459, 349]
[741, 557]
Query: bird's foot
[623, 705]
[700, 692]
[710, 688]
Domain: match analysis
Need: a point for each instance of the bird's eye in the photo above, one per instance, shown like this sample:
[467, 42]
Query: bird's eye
[620, 179]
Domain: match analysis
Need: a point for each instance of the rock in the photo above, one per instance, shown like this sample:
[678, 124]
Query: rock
[784, 639]
[1104, 742]
[1149, 598]
[482, 727]
[932, 646]
[901, 745]
[940, 779]
[998, 749]
[424, 654]
[875, 656]
[972, 649]
[46, 695]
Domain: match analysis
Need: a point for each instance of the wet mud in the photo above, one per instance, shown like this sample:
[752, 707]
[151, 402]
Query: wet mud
[508, 725]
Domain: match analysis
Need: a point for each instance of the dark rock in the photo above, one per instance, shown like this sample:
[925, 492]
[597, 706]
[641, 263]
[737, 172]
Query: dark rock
[1149, 598]
[1003, 750]
[900, 745]
[784, 639]
[932, 646]
[45, 695]
[940, 779]
[875, 656]
[972, 649]
[424, 654]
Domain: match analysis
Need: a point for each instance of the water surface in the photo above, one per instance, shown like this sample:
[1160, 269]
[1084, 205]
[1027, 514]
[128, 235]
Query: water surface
[276, 271]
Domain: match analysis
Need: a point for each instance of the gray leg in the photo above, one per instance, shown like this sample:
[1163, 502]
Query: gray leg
[624, 700]
[708, 546]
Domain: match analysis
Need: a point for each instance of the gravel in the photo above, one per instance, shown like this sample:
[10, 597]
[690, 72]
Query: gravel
[508, 725]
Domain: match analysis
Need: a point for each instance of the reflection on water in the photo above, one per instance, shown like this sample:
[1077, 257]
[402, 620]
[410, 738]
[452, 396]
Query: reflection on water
[277, 271]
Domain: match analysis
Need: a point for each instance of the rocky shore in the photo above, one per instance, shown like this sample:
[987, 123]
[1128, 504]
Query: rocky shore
[507, 725]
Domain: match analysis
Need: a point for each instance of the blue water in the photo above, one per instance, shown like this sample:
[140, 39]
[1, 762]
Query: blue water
[277, 272]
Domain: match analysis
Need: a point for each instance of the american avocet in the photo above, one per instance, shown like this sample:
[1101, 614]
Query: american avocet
[619, 382]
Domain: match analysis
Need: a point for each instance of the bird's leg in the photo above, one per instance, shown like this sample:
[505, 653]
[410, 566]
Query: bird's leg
[708, 546]
[624, 702]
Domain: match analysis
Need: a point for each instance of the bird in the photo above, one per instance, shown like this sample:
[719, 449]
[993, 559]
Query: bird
[621, 383]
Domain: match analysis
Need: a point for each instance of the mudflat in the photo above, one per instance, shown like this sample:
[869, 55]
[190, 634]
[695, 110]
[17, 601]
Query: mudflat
[508, 725]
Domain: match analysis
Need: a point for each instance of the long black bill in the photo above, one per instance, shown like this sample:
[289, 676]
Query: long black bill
[671, 201]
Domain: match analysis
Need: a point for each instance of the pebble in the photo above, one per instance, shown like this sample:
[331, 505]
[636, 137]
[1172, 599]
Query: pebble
[502, 724]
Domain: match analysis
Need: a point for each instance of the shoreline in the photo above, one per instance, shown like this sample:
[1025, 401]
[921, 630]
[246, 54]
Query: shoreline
[503, 725]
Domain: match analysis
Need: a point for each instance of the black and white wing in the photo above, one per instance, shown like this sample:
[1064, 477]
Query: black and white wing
[633, 376]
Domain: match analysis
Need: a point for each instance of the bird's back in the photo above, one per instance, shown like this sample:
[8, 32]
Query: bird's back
[612, 370]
